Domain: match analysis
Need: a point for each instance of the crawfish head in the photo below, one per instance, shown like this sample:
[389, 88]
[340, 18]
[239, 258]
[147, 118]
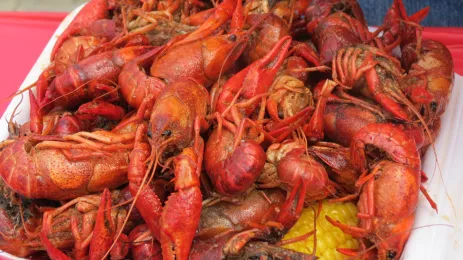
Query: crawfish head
[174, 113]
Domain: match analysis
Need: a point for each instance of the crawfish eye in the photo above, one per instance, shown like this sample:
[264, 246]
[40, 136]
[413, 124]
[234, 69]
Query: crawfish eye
[433, 106]
[390, 254]
[166, 133]
[232, 38]
[149, 134]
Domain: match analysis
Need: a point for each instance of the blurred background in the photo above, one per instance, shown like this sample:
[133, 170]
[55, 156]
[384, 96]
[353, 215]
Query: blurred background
[443, 13]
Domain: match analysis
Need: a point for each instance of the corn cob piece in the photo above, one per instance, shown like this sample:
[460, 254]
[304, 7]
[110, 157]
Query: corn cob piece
[328, 237]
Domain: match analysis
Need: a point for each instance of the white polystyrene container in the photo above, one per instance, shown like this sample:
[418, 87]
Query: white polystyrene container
[437, 236]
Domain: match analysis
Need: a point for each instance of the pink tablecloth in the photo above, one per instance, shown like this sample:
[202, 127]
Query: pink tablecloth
[24, 36]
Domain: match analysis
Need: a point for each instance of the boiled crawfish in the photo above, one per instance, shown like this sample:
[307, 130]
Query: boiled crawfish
[175, 126]
[386, 218]
[47, 158]
[231, 227]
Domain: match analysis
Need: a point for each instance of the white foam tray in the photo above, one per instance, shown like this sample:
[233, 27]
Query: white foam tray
[428, 241]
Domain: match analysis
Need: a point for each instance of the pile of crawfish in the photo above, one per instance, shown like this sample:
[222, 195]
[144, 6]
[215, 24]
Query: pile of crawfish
[200, 130]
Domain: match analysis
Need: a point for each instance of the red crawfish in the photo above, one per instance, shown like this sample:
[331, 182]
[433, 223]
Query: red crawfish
[234, 157]
[174, 225]
[290, 167]
[342, 121]
[400, 27]
[143, 245]
[93, 231]
[176, 122]
[212, 18]
[339, 30]
[231, 228]
[250, 83]
[89, 42]
[430, 77]
[202, 59]
[337, 162]
[215, 54]
[232, 164]
[88, 79]
[68, 89]
[73, 50]
[206, 66]
[45, 168]
[233, 171]
[217, 248]
[178, 116]
[375, 74]
[288, 96]
[387, 207]
[394, 141]
[94, 10]
[319, 9]
[47, 158]
[268, 33]
[60, 123]
[19, 220]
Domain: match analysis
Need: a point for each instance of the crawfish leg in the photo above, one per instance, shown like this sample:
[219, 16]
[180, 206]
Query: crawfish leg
[428, 198]
[288, 125]
[238, 241]
[353, 231]
[289, 214]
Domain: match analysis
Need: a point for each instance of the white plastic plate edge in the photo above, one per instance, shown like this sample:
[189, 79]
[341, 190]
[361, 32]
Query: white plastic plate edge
[438, 236]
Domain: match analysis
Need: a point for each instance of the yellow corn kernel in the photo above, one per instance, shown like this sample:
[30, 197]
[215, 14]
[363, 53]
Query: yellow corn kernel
[329, 237]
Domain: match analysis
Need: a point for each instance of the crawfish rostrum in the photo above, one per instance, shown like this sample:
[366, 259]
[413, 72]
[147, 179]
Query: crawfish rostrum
[202, 129]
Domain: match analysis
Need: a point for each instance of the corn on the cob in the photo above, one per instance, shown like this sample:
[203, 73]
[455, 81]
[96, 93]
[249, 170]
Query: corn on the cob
[328, 237]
